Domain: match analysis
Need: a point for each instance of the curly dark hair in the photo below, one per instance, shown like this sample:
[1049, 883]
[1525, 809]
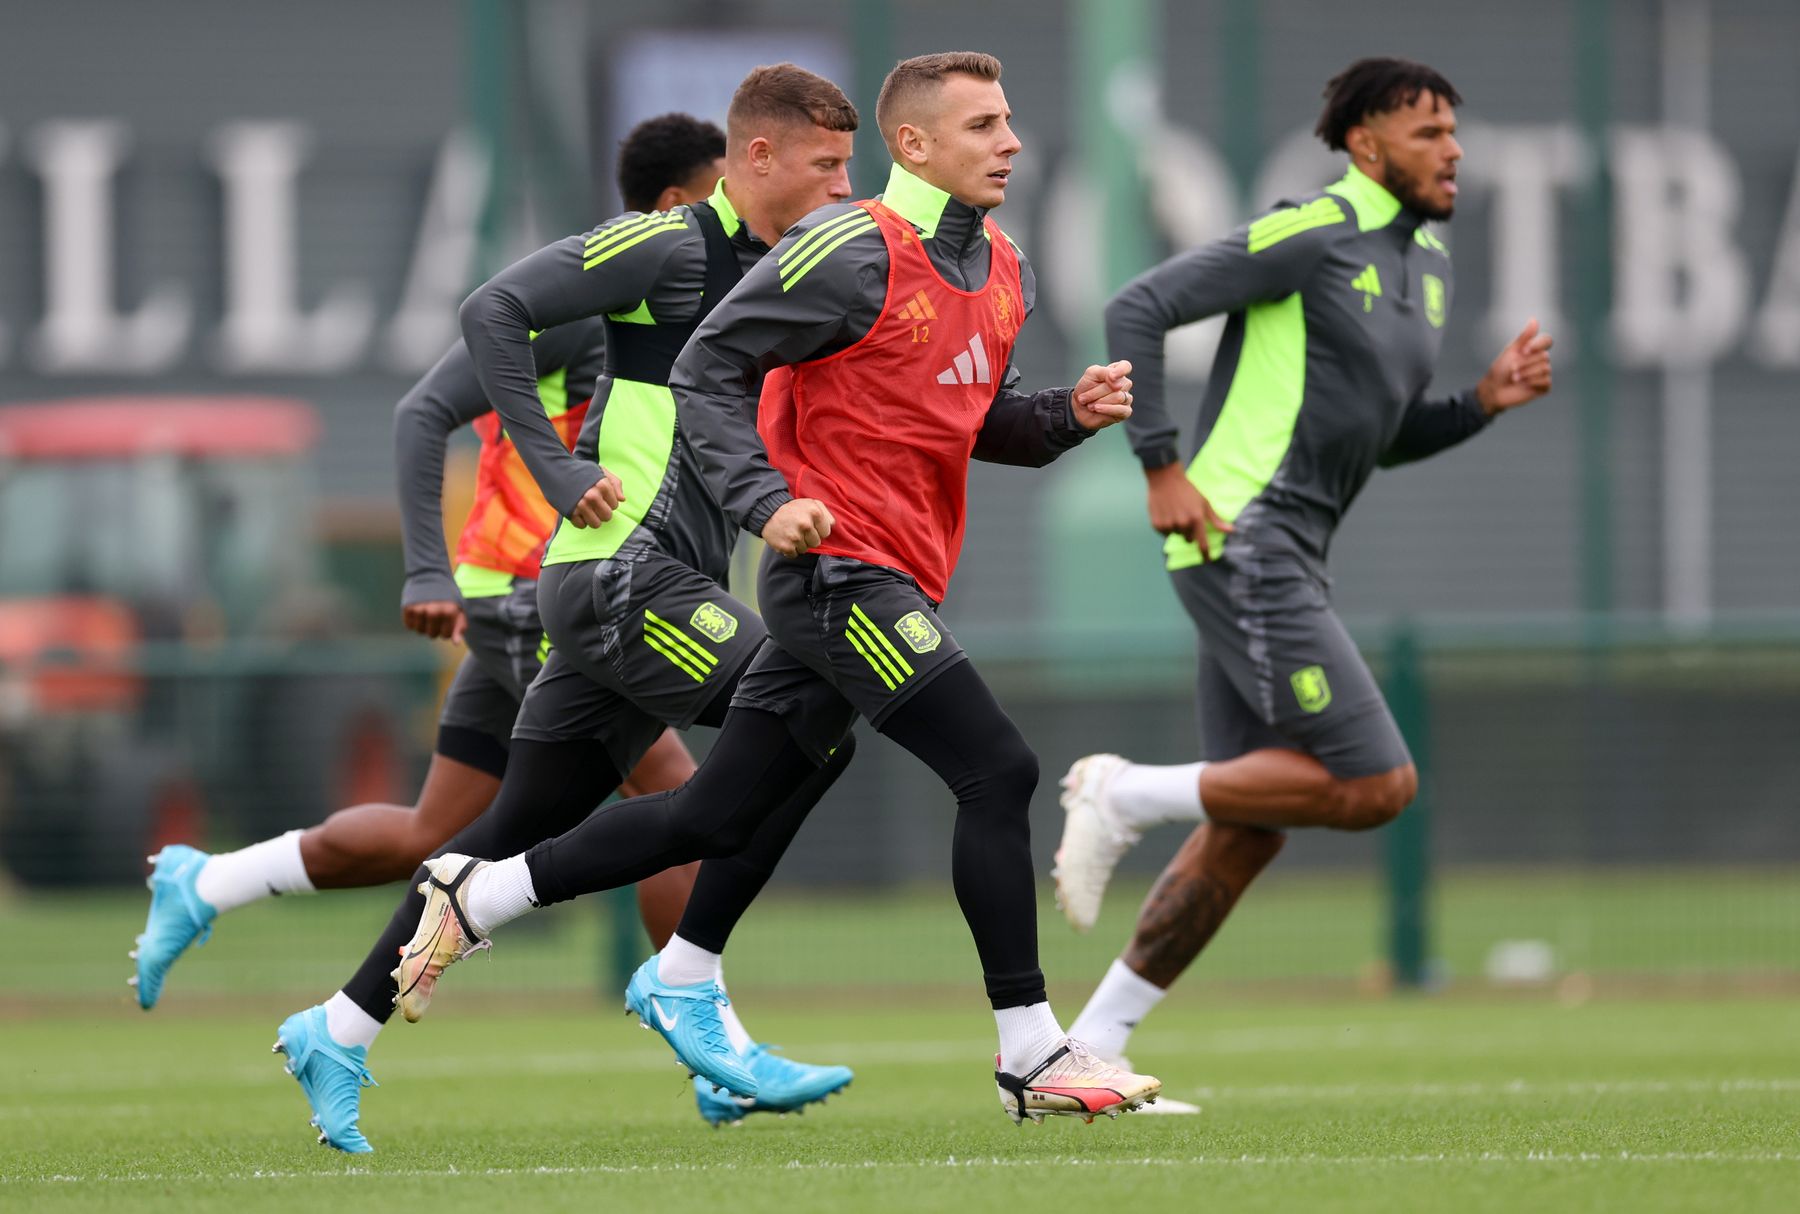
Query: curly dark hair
[664, 151]
[1376, 86]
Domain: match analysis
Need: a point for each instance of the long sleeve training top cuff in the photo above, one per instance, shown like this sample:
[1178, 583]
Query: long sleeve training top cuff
[1159, 456]
[765, 508]
[433, 587]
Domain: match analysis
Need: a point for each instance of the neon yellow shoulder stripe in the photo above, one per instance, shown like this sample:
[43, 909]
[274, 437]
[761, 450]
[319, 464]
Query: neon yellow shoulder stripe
[618, 231]
[597, 254]
[1277, 226]
[790, 275]
[804, 246]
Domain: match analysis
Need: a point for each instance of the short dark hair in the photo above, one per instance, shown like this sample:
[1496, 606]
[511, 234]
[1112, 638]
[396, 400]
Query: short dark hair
[1376, 86]
[913, 77]
[787, 93]
[665, 151]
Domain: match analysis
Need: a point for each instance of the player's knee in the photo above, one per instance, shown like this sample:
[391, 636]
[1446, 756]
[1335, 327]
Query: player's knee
[707, 827]
[1012, 770]
[727, 839]
[1375, 801]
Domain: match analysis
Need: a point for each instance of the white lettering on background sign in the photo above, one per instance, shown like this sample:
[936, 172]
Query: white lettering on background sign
[263, 329]
[1527, 168]
[1775, 339]
[443, 258]
[1682, 285]
[83, 331]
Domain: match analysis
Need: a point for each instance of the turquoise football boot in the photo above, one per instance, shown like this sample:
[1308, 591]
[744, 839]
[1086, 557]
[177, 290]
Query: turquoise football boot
[332, 1076]
[688, 1019]
[179, 917]
[782, 1086]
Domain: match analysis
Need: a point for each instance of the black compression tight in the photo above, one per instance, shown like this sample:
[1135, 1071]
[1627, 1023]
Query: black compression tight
[953, 725]
[727, 885]
[752, 771]
[957, 728]
[550, 787]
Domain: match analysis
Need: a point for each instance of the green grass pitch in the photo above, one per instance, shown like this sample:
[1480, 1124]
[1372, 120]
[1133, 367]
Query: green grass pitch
[523, 1091]
[1345, 1104]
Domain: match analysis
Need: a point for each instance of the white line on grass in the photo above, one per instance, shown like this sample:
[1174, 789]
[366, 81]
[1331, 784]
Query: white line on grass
[1511, 1087]
[952, 1162]
[653, 1060]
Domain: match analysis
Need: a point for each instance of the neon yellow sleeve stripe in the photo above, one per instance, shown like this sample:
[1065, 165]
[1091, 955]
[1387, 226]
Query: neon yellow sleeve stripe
[1273, 229]
[823, 232]
[801, 270]
[596, 259]
[626, 232]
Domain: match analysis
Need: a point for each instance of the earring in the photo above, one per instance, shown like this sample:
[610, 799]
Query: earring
[1371, 157]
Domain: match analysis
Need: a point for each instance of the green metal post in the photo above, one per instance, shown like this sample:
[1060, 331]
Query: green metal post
[1601, 748]
[625, 943]
[872, 46]
[489, 57]
[1408, 841]
[1240, 95]
[1592, 247]
[560, 160]
[1115, 52]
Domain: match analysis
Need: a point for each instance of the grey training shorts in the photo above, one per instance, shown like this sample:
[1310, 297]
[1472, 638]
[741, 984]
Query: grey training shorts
[847, 639]
[1278, 669]
[635, 644]
[502, 635]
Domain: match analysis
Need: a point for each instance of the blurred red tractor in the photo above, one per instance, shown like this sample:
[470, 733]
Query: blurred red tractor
[171, 664]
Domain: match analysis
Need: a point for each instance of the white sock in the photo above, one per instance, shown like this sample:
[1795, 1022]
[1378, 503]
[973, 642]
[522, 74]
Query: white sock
[735, 1032]
[682, 963]
[238, 878]
[1027, 1036]
[1143, 796]
[348, 1024]
[1122, 999]
[498, 894]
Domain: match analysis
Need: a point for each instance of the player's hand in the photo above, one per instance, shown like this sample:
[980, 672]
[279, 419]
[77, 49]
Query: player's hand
[1177, 508]
[1102, 396]
[599, 502]
[798, 526]
[1521, 374]
[441, 620]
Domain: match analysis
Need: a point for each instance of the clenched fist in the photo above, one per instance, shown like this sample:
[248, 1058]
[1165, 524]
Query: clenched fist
[598, 503]
[798, 526]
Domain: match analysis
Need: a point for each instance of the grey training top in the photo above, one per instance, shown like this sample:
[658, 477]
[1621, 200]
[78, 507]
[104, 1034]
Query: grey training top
[450, 396]
[1337, 304]
[828, 305]
[638, 270]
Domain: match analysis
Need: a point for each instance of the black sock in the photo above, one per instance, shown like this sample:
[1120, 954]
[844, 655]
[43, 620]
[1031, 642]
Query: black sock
[549, 786]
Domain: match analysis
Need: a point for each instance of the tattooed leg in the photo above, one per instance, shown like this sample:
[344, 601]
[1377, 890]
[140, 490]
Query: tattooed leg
[1194, 894]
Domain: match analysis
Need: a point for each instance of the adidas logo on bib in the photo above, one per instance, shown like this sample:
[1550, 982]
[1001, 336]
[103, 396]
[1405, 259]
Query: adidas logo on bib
[969, 367]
